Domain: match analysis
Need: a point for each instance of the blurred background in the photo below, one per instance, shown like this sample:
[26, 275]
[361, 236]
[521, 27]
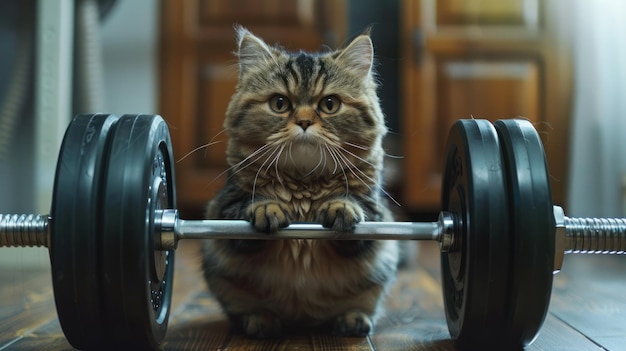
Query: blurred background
[559, 64]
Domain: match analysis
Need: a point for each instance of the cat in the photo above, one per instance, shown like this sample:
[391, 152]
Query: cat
[305, 145]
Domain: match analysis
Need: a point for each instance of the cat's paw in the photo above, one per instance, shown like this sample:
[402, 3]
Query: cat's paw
[353, 323]
[261, 325]
[269, 216]
[340, 214]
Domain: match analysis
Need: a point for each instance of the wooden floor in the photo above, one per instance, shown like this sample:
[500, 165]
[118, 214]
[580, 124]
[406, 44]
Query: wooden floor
[588, 311]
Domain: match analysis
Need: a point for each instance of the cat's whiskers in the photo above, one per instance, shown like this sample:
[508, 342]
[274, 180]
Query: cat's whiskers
[334, 160]
[362, 147]
[333, 153]
[236, 165]
[365, 148]
[275, 163]
[210, 143]
[290, 153]
[274, 148]
[323, 158]
[198, 149]
[320, 162]
[356, 156]
[351, 167]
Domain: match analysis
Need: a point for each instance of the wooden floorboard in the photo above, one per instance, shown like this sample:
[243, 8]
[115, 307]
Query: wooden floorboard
[26, 304]
[587, 312]
[590, 296]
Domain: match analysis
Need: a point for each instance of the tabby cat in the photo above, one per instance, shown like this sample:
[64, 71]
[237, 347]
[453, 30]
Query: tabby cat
[305, 134]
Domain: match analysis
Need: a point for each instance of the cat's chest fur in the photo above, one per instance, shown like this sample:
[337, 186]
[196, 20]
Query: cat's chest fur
[305, 279]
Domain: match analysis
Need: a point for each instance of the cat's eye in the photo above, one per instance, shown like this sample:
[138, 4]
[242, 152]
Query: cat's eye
[329, 104]
[280, 104]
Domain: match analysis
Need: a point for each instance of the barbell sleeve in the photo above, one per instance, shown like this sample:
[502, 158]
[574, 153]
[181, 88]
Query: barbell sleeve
[587, 235]
[24, 230]
[595, 235]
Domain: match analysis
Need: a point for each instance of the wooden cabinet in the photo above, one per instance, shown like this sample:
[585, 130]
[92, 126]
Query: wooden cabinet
[487, 59]
[460, 59]
[198, 74]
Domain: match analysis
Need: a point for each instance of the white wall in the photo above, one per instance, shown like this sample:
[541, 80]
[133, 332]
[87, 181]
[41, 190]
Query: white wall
[598, 142]
[129, 37]
[129, 49]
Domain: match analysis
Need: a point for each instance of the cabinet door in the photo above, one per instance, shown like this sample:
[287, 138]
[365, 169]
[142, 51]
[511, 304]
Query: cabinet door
[199, 74]
[488, 59]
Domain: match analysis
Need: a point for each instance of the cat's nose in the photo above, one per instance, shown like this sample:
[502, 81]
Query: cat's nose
[304, 123]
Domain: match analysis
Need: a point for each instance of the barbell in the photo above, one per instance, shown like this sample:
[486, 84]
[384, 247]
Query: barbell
[113, 230]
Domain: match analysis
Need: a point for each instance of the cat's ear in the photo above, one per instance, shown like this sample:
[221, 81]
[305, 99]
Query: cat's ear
[358, 56]
[252, 51]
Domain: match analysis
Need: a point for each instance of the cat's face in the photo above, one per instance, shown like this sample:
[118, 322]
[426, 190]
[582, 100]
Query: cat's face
[303, 111]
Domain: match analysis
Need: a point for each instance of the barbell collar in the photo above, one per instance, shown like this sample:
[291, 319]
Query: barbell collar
[447, 229]
[165, 228]
[559, 238]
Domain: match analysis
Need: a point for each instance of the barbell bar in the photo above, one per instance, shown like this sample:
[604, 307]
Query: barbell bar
[31, 230]
[113, 231]
[575, 235]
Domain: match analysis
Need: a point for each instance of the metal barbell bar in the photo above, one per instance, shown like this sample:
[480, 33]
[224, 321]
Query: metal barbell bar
[573, 235]
[113, 216]
[32, 230]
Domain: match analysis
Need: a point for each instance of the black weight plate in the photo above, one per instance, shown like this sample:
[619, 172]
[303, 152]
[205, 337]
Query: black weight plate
[74, 239]
[532, 220]
[137, 278]
[475, 273]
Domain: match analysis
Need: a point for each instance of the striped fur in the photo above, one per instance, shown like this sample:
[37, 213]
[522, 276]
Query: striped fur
[305, 133]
